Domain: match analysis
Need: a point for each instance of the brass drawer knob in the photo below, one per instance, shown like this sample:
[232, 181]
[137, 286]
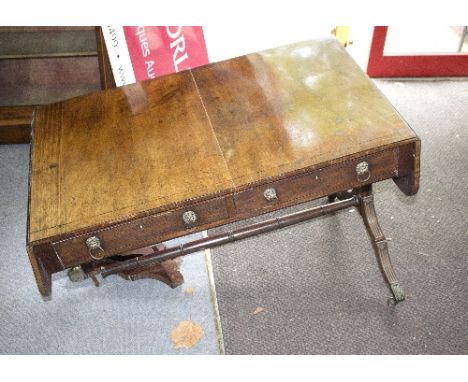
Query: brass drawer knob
[270, 194]
[362, 171]
[94, 248]
[189, 217]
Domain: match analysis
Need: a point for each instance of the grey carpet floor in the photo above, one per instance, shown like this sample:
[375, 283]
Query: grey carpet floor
[319, 283]
[119, 317]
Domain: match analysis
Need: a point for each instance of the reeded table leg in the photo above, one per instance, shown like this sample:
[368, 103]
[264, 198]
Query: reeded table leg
[367, 210]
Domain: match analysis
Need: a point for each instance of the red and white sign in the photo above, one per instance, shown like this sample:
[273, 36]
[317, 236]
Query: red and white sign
[143, 52]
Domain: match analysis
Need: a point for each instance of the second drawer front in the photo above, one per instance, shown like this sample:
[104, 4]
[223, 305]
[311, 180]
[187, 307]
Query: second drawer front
[315, 184]
[142, 232]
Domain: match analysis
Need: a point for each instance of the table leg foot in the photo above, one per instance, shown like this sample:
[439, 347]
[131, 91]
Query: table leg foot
[369, 215]
[397, 291]
[166, 272]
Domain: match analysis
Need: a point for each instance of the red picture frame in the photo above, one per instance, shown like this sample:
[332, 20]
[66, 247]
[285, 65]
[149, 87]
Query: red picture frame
[412, 65]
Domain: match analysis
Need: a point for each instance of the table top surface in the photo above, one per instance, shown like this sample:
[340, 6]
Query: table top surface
[110, 155]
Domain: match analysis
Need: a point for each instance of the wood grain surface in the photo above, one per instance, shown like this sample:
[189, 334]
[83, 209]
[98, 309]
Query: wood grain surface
[110, 156]
[294, 107]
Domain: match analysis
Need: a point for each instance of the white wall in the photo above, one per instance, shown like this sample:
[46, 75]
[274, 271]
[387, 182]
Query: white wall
[223, 43]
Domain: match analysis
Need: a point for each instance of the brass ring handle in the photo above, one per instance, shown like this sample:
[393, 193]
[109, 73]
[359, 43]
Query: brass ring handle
[95, 249]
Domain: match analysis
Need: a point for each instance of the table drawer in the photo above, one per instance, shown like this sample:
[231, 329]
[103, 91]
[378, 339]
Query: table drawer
[141, 232]
[317, 183]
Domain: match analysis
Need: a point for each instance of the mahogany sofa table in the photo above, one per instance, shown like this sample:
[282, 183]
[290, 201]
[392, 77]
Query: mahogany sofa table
[116, 172]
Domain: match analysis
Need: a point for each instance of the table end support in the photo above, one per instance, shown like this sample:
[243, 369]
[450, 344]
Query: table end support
[379, 242]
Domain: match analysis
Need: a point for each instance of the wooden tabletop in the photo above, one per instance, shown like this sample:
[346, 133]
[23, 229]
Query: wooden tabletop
[108, 156]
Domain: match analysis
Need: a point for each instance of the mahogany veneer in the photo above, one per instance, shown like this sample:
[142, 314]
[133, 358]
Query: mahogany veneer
[126, 166]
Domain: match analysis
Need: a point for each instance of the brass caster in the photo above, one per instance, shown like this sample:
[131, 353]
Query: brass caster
[77, 274]
[397, 291]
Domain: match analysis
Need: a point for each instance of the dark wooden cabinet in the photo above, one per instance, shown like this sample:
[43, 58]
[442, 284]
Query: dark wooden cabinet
[41, 65]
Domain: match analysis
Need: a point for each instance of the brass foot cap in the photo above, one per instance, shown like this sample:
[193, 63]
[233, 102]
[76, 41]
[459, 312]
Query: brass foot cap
[397, 291]
[76, 274]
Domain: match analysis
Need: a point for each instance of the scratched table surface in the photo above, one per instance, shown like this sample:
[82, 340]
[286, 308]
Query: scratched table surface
[108, 156]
